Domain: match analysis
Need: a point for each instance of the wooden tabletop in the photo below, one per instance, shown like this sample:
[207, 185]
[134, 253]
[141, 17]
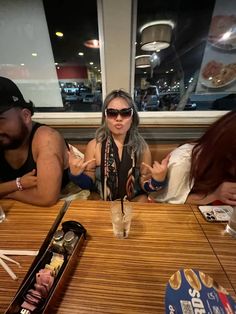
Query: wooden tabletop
[130, 275]
[223, 245]
[121, 275]
[25, 228]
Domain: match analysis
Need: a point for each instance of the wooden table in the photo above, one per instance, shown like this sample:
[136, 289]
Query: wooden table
[25, 228]
[223, 245]
[130, 275]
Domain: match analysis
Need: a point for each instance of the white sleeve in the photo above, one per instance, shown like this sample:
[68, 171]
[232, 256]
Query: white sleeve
[178, 185]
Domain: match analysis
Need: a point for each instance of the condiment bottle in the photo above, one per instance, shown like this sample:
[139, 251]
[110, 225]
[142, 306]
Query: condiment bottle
[58, 240]
[70, 240]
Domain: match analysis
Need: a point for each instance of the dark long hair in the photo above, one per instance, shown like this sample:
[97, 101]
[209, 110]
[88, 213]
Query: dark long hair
[136, 141]
[214, 155]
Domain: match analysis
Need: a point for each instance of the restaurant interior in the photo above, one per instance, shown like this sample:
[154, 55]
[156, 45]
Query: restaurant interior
[66, 56]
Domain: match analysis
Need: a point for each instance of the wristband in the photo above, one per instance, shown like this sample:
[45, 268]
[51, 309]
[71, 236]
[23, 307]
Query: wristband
[82, 180]
[18, 184]
[158, 184]
[153, 185]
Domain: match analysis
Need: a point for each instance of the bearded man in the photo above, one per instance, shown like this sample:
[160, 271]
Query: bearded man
[33, 157]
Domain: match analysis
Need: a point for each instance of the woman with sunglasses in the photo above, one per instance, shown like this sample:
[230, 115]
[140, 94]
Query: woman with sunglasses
[117, 163]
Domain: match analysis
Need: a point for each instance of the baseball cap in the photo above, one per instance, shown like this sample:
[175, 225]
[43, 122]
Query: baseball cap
[11, 97]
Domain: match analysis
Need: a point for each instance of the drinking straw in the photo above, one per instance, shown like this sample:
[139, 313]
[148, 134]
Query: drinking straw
[122, 206]
[122, 210]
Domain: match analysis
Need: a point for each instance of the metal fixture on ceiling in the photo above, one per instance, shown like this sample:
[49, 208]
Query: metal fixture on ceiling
[156, 35]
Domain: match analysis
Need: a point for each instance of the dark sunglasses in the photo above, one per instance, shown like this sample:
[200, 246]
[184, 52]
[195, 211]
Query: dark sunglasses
[124, 113]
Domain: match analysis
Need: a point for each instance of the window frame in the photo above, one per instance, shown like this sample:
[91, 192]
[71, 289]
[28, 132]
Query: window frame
[148, 118]
[86, 119]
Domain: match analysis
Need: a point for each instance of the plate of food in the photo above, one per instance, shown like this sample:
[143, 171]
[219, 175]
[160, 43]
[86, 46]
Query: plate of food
[222, 33]
[216, 74]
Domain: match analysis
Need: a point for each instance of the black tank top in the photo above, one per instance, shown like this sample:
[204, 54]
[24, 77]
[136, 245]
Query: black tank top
[7, 173]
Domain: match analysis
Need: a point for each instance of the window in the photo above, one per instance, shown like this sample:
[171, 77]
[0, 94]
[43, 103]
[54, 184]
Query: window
[51, 50]
[73, 29]
[187, 50]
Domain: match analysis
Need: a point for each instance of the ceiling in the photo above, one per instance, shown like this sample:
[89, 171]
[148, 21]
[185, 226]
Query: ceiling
[78, 22]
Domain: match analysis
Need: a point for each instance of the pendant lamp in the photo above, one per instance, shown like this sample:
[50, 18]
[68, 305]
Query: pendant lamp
[156, 35]
[142, 61]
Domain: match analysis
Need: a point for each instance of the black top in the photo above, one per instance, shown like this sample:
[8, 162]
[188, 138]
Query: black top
[122, 177]
[7, 173]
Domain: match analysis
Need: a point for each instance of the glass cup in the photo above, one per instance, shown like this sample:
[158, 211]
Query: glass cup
[231, 226]
[121, 220]
[127, 218]
[2, 214]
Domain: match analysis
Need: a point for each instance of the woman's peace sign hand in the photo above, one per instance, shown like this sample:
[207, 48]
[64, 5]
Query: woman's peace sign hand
[77, 164]
[158, 170]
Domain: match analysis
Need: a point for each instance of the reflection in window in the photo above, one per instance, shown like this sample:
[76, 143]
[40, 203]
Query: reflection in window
[175, 46]
[50, 49]
[73, 33]
[26, 55]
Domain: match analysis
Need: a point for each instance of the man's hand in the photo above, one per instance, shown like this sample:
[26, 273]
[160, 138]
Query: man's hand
[29, 180]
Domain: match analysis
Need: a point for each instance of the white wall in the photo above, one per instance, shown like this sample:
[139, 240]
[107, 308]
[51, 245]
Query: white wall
[116, 41]
[23, 31]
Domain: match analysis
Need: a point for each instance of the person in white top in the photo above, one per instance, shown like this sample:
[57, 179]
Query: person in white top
[204, 172]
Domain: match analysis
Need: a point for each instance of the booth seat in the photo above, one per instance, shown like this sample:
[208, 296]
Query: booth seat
[159, 151]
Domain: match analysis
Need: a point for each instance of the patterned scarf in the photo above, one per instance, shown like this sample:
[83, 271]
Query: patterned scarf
[117, 177]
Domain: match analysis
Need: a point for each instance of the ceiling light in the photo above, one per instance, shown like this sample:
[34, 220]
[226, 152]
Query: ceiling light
[142, 61]
[91, 63]
[156, 35]
[226, 35]
[34, 54]
[59, 34]
[92, 43]
[80, 53]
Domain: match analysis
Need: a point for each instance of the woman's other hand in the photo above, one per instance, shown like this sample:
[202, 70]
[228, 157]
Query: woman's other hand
[29, 180]
[226, 193]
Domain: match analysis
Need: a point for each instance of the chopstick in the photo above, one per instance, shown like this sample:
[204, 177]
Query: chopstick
[2, 256]
[8, 270]
[19, 252]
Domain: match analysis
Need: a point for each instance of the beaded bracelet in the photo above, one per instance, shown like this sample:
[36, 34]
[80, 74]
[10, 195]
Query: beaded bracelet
[18, 184]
